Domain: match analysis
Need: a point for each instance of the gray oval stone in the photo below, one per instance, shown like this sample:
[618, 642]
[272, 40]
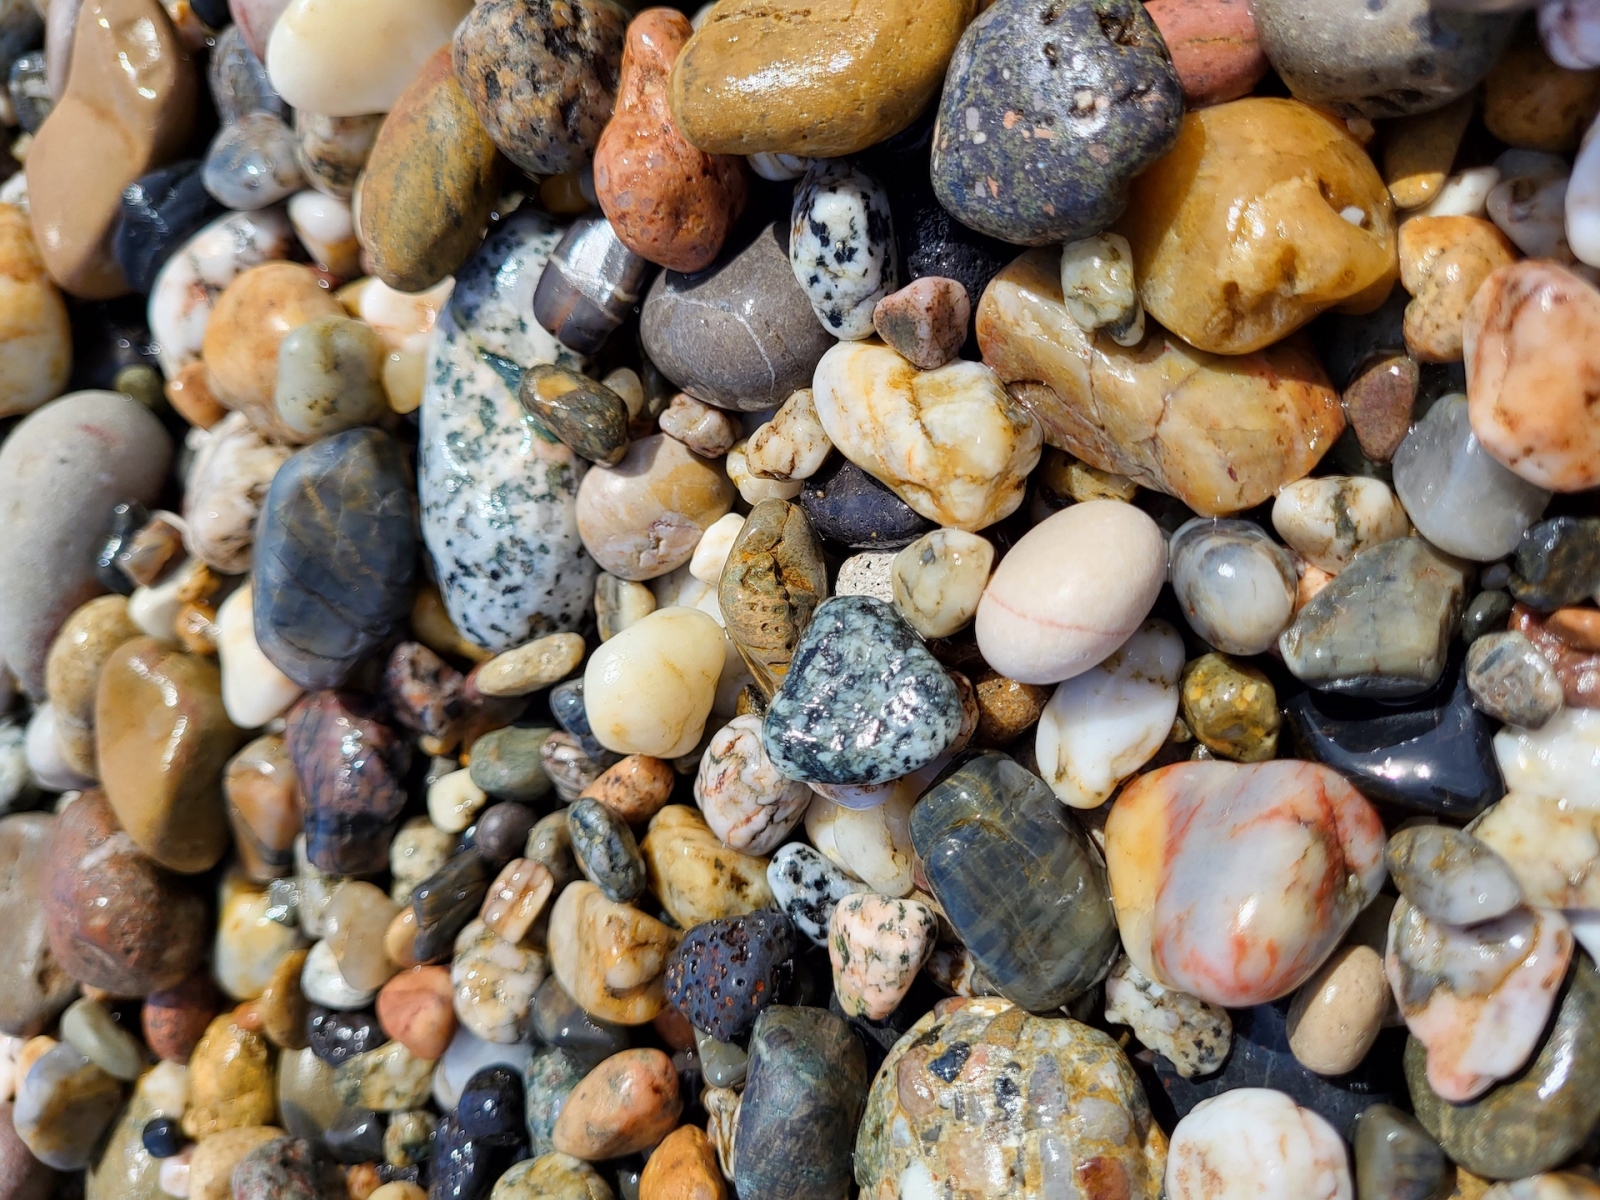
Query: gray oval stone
[1450, 875]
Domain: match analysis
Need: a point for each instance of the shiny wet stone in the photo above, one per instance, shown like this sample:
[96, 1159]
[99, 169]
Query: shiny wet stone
[446, 901]
[490, 1108]
[584, 413]
[606, 850]
[1396, 1159]
[160, 211]
[337, 1037]
[850, 507]
[1557, 563]
[557, 1020]
[566, 706]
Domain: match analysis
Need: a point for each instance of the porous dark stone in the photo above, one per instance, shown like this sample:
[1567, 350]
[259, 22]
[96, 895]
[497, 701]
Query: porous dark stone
[557, 1020]
[1539, 1117]
[502, 831]
[1557, 563]
[582, 412]
[286, 1169]
[115, 919]
[850, 507]
[1396, 1158]
[566, 706]
[1431, 755]
[741, 334]
[490, 1109]
[336, 1037]
[590, 286]
[725, 972]
[863, 700]
[1024, 887]
[1261, 1059]
[351, 767]
[335, 551]
[803, 1097]
[159, 213]
[1017, 154]
[606, 850]
[444, 903]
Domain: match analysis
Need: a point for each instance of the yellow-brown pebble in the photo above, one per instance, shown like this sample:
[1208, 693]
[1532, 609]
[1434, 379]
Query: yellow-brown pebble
[683, 1167]
[635, 788]
[609, 957]
[72, 670]
[1443, 261]
[1419, 151]
[694, 875]
[528, 668]
[1320, 230]
[230, 1080]
[1231, 708]
[626, 1104]
[1530, 102]
[282, 1007]
[35, 339]
[1338, 1013]
[1006, 708]
[211, 1167]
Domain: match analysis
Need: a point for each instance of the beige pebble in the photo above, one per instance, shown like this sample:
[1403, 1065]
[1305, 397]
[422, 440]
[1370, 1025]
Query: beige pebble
[712, 553]
[1337, 1013]
[708, 431]
[1419, 151]
[939, 579]
[753, 489]
[454, 801]
[793, 445]
[399, 1190]
[211, 1168]
[1443, 261]
[528, 668]
[645, 515]
[650, 689]
[619, 603]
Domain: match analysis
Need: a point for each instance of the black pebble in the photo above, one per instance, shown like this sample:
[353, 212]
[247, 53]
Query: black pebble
[337, 1037]
[490, 1110]
[159, 213]
[502, 831]
[725, 972]
[850, 507]
[162, 1137]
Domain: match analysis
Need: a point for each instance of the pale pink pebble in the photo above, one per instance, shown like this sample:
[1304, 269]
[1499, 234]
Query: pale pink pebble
[925, 321]
[877, 946]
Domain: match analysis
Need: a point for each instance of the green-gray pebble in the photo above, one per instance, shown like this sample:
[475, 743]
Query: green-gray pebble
[505, 763]
[586, 415]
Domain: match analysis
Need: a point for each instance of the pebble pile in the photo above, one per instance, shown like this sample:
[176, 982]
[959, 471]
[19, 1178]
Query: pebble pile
[862, 600]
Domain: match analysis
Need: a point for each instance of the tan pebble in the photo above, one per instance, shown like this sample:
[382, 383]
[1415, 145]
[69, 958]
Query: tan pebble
[609, 957]
[683, 1167]
[1006, 708]
[516, 899]
[1337, 1013]
[415, 1008]
[211, 1168]
[1443, 260]
[650, 689]
[695, 876]
[433, 628]
[626, 1104]
[72, 670]
[708, 431]
[1577, 627]
[399, 1190]
[619, 603]
[400, 937]
[230, 1080]
[635, 788]
[1530, 102]
[189, 393]
[362, 1180]
[793, 445]
[282, 1007]
[35, 338]
[752, 488]
[939, 579]
[1419, 151]
[644, 516]
[528, 668]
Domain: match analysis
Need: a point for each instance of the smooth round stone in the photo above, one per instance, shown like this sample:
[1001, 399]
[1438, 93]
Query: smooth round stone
[1004, 84]
[408, 1137]
[1337, 1014]
[37, 987]
[1047, 933]
[1214, 47]
[926, 321]
[582, 412]
[747, 801]
[63, 1104]
[506, 763]
[793, 444]
[306, 1100]
[419, 849]
[694, 875]
[726, 972]
[174, 1020]
[356, 918]
[650, 689]
[324, 984]
[503, 831]
[1190, 847]
[1236, 585]
[337, 1037]
[803, 1097]
[326, 227]
[938, 580]
[644, 517]
[872, 844]
[415, 1008]
[807, 887]
[347, 59]
[160, 211]
[1486, 614]
[238, 79]
[1396, 1159]
[1443, 261]
[626, 1104]
[1536, 1120]
[490, 1109]
[123, 1162]
[162, 1137]
[551, 1177]
[1459, 497]
[230, 1080]
[557, 1020]
[250, 946]
[285, 1169]
[454, 800]
[252, 163]
[608, 957]
[964, 1053]
[1328, 521]
[740, 335]
[848, 506]
[591, 285]
[1253, 1139]
[1450, 876]
[1049, 612]
[347, 494]
[61, 471]
[1383, 627]
[876, 946]
[1511, 681]
[78, 656]
[635, 788]
[446, 902]
[388, 1079]
[328, 377]
[863, 702]
[1193, 1036]
[1259, 153]
[349, 766]
[253, 690]
[567, 707]
[606, 850]
[333, 150]
[724, 1064]
[683, 1166]
[463, 1167]
[531, 666]
[549, 1078]
[494, 983]
[232, 471]
[1556, 761]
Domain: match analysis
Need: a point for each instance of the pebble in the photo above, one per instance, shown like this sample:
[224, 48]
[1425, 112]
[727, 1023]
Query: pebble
[1450, 876]
[1214, 46]
[877, 946]
[1395, 1157]
[740, 335]
[549, 1177]
[870, 843]
[668, 202]
[230, 1080]
[238, 79]
[446, 902]
[63, 1104]
[1557, 563]
[939, 579]
[626, 1104]
[1378, 403]
[211, 1169]
[1532, 101]
[507, 763]
[709, 432]
[228, 482]
[329, 378]
[1235, 584]
[415, 1008]
[1337, 1014]
[643, 517]
[683, 1167]
[1313, 844]
[250, 947]
[1252, 1139]
[726, 972]
[940, 1084]
[1553, 761]
[605, 849]
[821, 83]
[36, 348]
[585, 414]
[863, 701]
[1193, 1035]
[1511, 680]
[650, 689]
[1329, 520]
[747, 802]
[619, 603]
[454, 800]
[1098, 287]
[1404, 588]
[608, 957]
[773, 580]
[252, 162]
[558, 1021]
[355, 921]
[1044, 634]
[337, 1037]
[592, 284]
[1443, 260]
[349, 766]
[848, 506]
[1070, 183]
[284, 1169]
[635, 788]
[430, 180]
[882, 415]
[333, 150]
[842, 247]
[323, 983]
[793, 444]
[40, 987]
[1231, 708]
[694, 875]
[550, 1077]
[326, 58]
[807, 886]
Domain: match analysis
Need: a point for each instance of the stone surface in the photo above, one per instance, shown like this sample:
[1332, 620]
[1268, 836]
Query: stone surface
[683, 1167]
[1337, 1014]
[227, 485]
[1007, 161]
[746, 800]
[349, 765]
[725, 972]
[644, 516]
[64, 1103]
[543, 81]
[230, 1080]
[1236, 586]
[671, 660]
[1193, 1035]
[1396, 1159]
[819, 82]
[430, 182]
[770, 587]
[941, 1083]
[36, 344]
[842, 247]
[1511, 680]
[1048, 612]
[606, 851]
[876, 947]
[741, 334]
[39, 986]
[284, 1169]
[1331, 519]
[1231, 708]
[926, 321]
[1248, 1137]
[1261, 153]
[806, 886]
[938, 580]
[1221, 433]
[668, 202]
[694, 875]
[1450, 876]
[550, 1177]
[415, 1009]
[1312, 844]
[626, 1104]
[609, 957]
[1214, 46]
[585, 414]
[1443, 260]
[848, 506]
[387, 1079]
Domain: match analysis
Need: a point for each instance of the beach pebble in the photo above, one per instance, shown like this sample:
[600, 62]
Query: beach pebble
[1337, 1014]
[626, 1104]
[726, 971]
[746, 800]
[1193, 1035]
[807, 887]
[1235, 584]
[674, 654]
[694, 875]
[877, 946]
[1214, 46]
[1331, 519]
[1098, 289]
[644, 517]
[1511, 680]
[609, 957]
[1443, 261]
[1251, 1141]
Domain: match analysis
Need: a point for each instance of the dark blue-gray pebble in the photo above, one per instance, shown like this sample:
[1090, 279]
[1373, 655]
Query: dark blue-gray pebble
[159, 213]
[606, 850]
[725, 972]
[557, 1020]
[566, 706]
[30, 90]
[445, 902]
[490, 1108]
[1557, 563]
[850, 507]
[336, 1037]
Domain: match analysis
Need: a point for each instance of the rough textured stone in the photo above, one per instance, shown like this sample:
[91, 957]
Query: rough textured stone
[350, 766]
[726, 972]
[771, 585]
[1214, 46]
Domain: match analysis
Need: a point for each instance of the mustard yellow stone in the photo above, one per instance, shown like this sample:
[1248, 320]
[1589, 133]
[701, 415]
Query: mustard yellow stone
[1419, 151]
[819, 78]
[1265, 214]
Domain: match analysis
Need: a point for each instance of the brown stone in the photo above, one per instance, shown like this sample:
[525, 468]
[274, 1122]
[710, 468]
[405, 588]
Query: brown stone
[1214, 47]
[282, 1006]
[1576, 668]
[926, 321]
[22, 1176]
[35, 337]
[1419, 151]
[432, 179]
[1378, 404]
[609, 957]
[174, 1020]
[1577, 627]
[635, 788]
[1443, 261]
[1006, 708]
[230, 1080]
[252, 317]
[626, 1104]
[128, 108]
[263, 805]
[116, 920]
[683, 1167]
[415, 1009]
[1530, 102]
[773, 581]
[163, 741]
[35, 987]
[189, 393]
[1221, 433]
[667, 201]
[211, 1166]
[517, 898]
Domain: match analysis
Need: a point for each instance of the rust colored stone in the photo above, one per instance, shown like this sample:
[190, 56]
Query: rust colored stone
[175, 1019]
[635, 788]
[1378, 404]
[1576, 668]
[1214, 47]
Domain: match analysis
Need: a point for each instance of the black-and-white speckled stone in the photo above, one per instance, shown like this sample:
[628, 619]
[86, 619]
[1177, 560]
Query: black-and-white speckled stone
[863, 702]
[842, 247]
[499, 494]
[1049, 109]
[808, 887]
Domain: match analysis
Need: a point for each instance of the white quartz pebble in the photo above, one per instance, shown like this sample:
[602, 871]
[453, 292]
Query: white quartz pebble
[324, 984]
[870, 844]
[1331, 519]
[253, 690]
[1558, 761]
[707, 561]
[938, 580]
[1583, 201]
[1256, 1144]
[454, 801]
[650, 689]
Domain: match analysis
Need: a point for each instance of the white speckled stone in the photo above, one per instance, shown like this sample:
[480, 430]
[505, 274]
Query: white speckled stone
[807, 885]
[499, 495]
[841, 246]
[867, 574]
[494, 983]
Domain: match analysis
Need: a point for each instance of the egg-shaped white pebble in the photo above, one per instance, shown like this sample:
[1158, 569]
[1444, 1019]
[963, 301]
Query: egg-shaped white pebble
[454, 801]
[253, 690]
[715, 544]
[649, 689]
